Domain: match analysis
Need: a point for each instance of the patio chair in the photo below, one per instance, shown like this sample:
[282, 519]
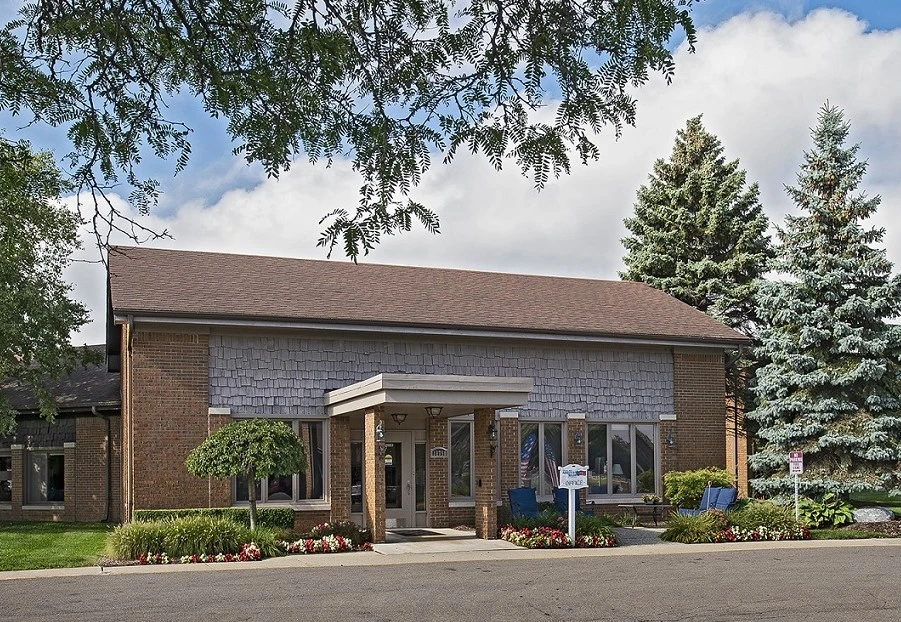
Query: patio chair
[708, 499]
[725, 500]
[561, 502]
[523, 502]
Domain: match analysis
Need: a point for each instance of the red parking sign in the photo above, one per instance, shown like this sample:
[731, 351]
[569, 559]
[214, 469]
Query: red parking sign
[796, 462]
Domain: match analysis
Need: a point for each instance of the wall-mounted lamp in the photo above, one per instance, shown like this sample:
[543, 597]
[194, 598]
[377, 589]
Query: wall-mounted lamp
[433, 411]
[577, 438]
[671, 439]
[399, 418]
[492, 439]
[381, 446]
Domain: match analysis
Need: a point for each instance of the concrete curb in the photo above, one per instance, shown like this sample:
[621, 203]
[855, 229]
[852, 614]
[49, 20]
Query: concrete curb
[376, 559]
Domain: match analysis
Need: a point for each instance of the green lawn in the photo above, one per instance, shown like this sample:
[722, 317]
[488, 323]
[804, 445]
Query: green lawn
[844, 534]
[26, 546]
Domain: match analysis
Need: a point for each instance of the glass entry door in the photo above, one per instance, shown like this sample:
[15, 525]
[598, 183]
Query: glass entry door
[400, 482]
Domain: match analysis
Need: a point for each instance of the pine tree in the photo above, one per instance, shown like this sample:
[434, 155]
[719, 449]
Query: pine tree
[698, 232]
[831, 386]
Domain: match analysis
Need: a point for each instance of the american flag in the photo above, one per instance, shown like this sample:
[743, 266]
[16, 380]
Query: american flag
[551, 460]
[525, 457]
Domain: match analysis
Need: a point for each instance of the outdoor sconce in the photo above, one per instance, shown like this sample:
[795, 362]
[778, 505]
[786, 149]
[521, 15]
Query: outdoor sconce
[670, 439]
[492, 439]
[399, 418]
[577, 438]
[381, 446]
[433, 411]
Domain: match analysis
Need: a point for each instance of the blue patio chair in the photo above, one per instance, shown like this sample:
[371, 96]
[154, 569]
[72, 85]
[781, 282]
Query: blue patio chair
[561, 502]
[523, 502]
[725, 500]
[708, 499]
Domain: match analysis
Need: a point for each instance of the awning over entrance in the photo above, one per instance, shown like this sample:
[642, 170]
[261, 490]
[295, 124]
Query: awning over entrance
[457, 395]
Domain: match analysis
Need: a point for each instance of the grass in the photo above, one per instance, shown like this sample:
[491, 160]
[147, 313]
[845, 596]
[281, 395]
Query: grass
[28, 546]
[845, 534]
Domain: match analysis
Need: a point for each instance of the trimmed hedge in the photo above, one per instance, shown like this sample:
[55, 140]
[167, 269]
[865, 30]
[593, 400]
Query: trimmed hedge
[270, 518]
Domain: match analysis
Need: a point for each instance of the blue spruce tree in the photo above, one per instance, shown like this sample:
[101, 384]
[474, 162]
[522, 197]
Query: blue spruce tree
[832, 383]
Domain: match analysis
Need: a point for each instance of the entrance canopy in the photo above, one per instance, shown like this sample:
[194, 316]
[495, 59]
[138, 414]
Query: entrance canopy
[457, 395]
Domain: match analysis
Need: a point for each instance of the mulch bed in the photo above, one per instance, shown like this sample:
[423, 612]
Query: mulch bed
[888, 527]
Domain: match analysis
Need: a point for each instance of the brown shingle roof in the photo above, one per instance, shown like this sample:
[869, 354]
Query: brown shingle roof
[148, 281]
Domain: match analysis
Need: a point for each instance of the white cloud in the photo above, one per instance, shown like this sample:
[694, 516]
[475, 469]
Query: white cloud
[758, 79]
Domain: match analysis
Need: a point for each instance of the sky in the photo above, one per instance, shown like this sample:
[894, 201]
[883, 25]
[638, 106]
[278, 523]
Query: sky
[760, 73]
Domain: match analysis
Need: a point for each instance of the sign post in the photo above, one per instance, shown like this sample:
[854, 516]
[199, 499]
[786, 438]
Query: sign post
[573, 477]
[796, 468]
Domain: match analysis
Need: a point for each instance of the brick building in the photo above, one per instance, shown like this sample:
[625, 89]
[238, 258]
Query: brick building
[67, 470]
[422, 395]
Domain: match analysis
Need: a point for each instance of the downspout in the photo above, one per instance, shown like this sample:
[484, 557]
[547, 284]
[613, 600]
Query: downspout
[109, 463]
[735, 414]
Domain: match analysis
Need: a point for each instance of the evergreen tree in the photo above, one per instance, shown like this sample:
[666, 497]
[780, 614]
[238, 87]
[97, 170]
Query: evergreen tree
[699, 233]
[831, 386]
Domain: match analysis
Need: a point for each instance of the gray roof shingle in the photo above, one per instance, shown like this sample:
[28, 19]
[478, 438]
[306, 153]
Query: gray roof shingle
[204, 285]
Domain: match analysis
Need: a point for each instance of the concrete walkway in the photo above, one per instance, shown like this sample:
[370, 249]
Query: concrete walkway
[635, 543]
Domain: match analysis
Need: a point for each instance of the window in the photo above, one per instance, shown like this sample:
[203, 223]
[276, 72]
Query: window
[356, 476]
[540, 453]
[461, 460]
[300, 486]
[45, 481]
[6, 479]
[621, 458]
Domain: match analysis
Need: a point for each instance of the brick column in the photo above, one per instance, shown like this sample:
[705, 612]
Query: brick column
[17, 453]
[374, 477]
[508, 434]
[699, 383]
[577, 454]
[438, 474]
[486, 476]
[339, 467]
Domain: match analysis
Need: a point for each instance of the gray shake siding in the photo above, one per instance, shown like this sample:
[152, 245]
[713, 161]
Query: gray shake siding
[288, 376]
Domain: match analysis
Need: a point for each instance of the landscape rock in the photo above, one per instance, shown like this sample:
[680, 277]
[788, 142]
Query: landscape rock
[873, 515]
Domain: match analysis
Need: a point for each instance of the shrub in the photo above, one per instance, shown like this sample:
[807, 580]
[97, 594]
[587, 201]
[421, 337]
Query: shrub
[685, 488]
[347, 529]
[829, 510]
[763, 514]
[545, 518]
[192, 535]
[272, 518]
[588, 525]
[691, 529]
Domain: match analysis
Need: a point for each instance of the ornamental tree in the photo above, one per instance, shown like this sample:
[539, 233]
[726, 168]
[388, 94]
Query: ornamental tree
[37, 312]
[699, 231]
[832, 383]
[253, 448]
[390, 85]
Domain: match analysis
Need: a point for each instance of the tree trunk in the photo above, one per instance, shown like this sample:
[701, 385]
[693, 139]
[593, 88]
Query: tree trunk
[252, 495]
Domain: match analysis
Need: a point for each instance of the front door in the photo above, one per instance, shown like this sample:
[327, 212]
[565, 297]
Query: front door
[400, 498]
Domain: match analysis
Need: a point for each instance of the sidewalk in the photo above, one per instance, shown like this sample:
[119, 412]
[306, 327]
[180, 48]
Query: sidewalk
[635, 542]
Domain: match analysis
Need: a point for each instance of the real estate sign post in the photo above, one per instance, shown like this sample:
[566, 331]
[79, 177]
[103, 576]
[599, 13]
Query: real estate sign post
[573, 477]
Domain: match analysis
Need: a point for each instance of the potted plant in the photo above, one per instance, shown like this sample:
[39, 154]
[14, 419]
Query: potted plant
[651, 499]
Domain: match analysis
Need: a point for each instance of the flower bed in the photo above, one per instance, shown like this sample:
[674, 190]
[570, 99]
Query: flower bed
[249, 553]
[325, 544]
[761, 534]
[552, 538]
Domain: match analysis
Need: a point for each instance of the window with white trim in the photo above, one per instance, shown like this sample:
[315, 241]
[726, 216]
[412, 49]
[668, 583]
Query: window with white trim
[622, 458]
[45, 477]
[540, 454]
[300, 487]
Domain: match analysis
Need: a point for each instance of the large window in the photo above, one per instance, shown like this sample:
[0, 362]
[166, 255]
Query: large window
[6, 479]
[621, 458]
[300, 486]
[45, 479]
[540, 453]
[461, 459]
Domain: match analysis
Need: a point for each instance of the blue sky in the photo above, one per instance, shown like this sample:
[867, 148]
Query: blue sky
[761, 71]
